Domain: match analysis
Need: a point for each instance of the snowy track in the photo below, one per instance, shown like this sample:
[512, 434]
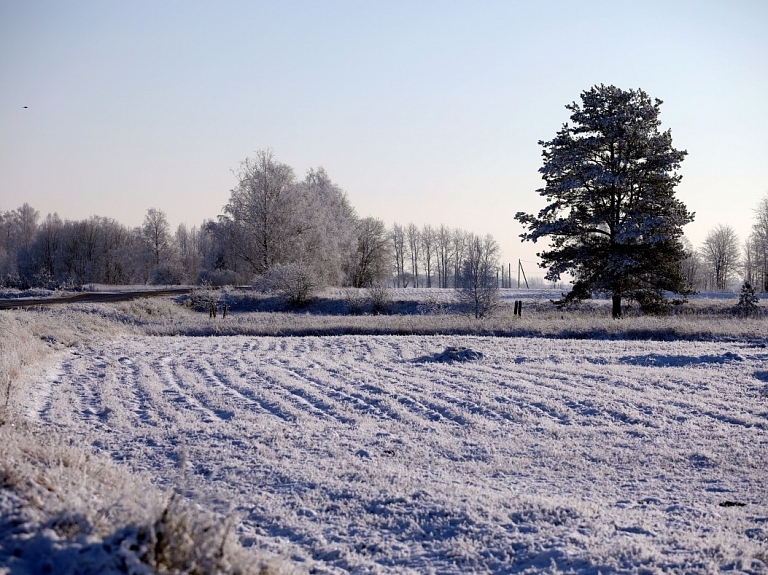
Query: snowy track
[365, 454]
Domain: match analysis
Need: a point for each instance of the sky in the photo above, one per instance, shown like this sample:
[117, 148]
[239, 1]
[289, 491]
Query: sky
[422, 111]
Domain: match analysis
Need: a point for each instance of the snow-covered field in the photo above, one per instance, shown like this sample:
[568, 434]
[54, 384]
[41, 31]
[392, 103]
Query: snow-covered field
[370, 454]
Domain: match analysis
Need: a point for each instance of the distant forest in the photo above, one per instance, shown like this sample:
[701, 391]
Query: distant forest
[274, 220]
[271, 221]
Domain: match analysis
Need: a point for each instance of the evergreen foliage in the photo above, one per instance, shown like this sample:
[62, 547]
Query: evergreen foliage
[612, 218]
[748, 301]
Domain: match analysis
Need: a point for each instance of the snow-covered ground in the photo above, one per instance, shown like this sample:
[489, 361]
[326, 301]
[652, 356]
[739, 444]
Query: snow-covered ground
[375, 455]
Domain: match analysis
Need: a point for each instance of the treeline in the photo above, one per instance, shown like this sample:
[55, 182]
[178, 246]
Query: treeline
[274, 225]
[56, 253]
[723, 261]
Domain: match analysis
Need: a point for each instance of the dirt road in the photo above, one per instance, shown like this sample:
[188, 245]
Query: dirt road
[89, 297]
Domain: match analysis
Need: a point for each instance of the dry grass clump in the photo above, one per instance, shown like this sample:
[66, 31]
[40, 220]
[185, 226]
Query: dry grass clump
[19, 347]
[82, 513]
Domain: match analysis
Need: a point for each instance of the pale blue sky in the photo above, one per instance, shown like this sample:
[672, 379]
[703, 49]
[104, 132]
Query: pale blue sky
[422, 111]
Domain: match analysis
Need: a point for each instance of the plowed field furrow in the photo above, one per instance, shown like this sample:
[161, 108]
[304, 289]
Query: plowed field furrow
[371, 454]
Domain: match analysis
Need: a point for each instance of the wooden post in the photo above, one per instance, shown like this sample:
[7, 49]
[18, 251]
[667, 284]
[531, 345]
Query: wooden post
[520, 269]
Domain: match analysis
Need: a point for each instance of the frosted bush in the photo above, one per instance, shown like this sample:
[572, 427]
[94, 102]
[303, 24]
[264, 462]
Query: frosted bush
[166, 274]
[218, 278]
[296, 282]
[203, 298]
[355, 300]
[380, 298]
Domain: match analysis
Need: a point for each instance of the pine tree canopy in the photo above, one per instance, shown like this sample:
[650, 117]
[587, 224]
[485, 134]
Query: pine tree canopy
[612, 219]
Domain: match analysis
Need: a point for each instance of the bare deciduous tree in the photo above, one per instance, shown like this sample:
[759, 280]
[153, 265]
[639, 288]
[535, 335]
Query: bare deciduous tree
[692, 266]
[459, 241]
[413, 235]
[721, 254]
[428, 244]
[478, 284]
[443, 247]
[371, 264]
[157, 233]
[260, 216]
[17, 232]
[756, 264]
[397, 237]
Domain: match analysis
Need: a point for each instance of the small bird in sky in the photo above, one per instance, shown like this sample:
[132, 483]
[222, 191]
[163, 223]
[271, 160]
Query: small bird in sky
[26, 106]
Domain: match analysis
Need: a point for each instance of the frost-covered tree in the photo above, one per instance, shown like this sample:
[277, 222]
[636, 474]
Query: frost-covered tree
[17, 232]
[459, 240]
[160, 262]
[692, 266]
[751, 261]
[443, 252]
[99, 250]
[428, 246]
[722, 255]
[328, 240]
[271, 219]
[156, 232]
[397, 237]
[81, 253]
[756, 249]
[478, 285]
[40, 268]
[371, 266]
[612, 218]
[413, 243]
[260, 216]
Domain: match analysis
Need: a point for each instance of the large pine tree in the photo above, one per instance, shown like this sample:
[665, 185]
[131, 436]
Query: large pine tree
[612, 218]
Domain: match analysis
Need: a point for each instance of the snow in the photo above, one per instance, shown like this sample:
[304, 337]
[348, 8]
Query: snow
[372, 454]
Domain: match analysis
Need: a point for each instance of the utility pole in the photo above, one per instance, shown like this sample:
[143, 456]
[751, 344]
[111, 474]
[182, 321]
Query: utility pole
[519, 270]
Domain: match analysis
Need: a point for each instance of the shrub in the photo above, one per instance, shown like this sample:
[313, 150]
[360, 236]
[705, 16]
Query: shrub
[380, 298]
[166, 275]
[202, 298]
[218, 277]
[355, 300]
[435, 304]
[296, 282]
[44, 279]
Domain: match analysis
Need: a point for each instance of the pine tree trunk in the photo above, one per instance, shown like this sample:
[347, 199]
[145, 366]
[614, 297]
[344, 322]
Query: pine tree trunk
[616, 312]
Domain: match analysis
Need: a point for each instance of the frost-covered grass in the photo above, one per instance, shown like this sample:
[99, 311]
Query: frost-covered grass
[436, 312]
[427, 312]
[64, 509]
[67, 510]
[613, 446]
[371, 454]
